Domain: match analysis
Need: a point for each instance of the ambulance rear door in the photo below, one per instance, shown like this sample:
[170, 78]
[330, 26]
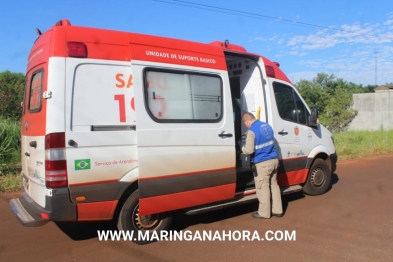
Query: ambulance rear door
[34, 120]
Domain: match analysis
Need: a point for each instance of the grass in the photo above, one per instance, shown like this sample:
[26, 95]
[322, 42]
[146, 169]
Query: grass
[355, 144]
[10, 180]
[10, 183]
[9, 141]
[9, 156]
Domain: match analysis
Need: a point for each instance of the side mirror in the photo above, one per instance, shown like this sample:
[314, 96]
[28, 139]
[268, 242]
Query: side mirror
[313, 118]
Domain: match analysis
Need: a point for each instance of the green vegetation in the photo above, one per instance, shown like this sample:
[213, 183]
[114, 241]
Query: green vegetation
[9, 146]
[9, 156]
[338, 112]
[11, 95]
[355, 144]
[333, 98]
[10, 183]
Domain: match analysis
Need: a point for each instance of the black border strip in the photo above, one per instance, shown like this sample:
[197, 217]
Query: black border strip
[176, 184]
[288, 165]
[98, 192]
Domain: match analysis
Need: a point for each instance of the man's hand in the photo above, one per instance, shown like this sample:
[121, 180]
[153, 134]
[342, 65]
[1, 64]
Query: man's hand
[248, 148]
[241, 151]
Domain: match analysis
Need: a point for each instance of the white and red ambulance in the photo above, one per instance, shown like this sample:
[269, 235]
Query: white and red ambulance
[129, 127]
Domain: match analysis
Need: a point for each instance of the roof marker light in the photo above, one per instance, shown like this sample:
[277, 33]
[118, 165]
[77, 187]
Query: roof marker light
[63, 22]
[76, 49]
[270, 71]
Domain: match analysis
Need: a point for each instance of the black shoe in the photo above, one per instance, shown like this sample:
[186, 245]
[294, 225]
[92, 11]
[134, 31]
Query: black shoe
[277, 215]
[256, 215]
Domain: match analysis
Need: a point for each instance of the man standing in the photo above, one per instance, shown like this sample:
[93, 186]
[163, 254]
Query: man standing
[260, 141]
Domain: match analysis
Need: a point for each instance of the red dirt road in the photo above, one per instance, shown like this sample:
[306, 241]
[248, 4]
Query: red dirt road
[353, 221]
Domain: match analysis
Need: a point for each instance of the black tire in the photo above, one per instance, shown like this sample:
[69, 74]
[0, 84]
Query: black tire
[129, 219]
[318, 180]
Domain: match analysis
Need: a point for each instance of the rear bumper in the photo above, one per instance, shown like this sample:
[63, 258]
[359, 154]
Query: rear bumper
[58, 208]
[24, 214]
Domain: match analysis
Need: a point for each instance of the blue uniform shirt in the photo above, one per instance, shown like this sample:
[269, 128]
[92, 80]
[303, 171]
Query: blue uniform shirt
[265, 148]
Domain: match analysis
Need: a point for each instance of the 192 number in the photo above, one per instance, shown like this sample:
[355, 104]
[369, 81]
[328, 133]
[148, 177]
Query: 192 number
[122, 106]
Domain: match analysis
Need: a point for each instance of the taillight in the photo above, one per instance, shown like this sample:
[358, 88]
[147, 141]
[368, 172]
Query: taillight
[45, 216]
[55, 161]
[270, 71]
[76, 49]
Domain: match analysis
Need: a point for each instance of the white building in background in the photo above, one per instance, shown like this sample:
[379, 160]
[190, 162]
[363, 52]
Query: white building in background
[375, 110]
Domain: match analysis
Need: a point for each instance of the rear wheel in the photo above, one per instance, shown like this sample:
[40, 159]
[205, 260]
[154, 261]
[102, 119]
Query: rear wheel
[319, 177]
[130, 220]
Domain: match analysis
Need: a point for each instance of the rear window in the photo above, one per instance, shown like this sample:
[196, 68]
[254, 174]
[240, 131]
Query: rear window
[35, 100]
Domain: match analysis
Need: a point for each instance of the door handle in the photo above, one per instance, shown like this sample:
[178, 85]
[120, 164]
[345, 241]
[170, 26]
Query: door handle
[33, 144]
[222, 135]
[27, 154]
[283, 133]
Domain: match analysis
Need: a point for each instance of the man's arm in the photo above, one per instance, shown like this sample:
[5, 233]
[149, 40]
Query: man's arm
[248, 148]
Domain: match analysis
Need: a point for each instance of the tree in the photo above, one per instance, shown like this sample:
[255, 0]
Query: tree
[369, 89]
[313, 94]
[333, 98]
[11, 94]
[324, 80]
[339, 112]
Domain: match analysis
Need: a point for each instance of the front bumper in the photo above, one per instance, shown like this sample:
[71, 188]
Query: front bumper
[333, 160]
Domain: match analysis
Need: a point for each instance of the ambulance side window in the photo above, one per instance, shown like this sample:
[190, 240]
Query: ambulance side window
[35, 99]
[289, 105]
[173, 96]
[301, 109]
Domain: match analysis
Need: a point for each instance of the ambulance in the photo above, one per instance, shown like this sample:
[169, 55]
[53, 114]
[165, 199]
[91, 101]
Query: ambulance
[130, 127]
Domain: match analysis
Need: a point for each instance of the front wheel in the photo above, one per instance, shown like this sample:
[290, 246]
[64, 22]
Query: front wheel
[319, 177]
[130, 220]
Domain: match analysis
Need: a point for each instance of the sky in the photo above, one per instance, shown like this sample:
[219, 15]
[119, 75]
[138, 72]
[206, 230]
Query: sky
[352, 39]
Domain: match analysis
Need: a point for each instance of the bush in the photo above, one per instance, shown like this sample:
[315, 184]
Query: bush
[339, 112]
[9, 146]
[11, 94]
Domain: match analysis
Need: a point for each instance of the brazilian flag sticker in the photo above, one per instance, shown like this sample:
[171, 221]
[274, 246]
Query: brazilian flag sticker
[82, 164]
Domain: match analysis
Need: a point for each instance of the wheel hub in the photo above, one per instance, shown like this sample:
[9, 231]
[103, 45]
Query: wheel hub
[317, 177]
[144, 222]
